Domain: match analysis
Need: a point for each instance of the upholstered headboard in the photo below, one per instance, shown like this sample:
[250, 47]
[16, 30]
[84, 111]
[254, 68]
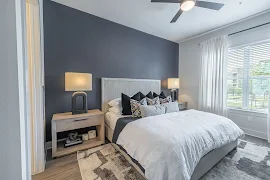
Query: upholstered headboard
[111, 88]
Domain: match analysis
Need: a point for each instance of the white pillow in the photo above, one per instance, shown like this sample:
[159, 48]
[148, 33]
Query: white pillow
[152, 110]
[171, 107]
[116, 110]
[115, 102]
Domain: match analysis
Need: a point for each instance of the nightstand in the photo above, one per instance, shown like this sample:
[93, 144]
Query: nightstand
[66, 122]
[182, 106]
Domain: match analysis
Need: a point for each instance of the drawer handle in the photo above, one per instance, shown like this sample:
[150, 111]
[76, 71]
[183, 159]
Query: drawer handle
[80, 120]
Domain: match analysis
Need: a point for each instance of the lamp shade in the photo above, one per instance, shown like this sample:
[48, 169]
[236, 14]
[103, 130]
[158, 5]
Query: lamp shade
[173, 83]
[78, 81]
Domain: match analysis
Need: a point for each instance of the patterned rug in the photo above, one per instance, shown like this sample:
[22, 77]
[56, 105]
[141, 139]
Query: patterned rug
[106, 163]
[248, 162]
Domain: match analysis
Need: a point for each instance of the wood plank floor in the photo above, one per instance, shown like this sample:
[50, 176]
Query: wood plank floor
[67, 168]
[64, 168]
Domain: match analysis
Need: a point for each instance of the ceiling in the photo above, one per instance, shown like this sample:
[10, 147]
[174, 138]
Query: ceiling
[154, 18]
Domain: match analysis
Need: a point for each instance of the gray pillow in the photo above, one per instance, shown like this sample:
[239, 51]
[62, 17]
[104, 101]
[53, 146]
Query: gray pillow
[171, 107]
[152, 110]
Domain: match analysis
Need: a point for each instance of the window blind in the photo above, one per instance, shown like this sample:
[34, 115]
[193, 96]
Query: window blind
[248, 77]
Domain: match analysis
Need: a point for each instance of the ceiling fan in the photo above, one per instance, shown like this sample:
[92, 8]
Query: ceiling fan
[186, 5]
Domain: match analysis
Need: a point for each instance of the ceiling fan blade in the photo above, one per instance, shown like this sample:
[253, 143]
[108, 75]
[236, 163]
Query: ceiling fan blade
[166, 1]
[209, 5]
[178, 14]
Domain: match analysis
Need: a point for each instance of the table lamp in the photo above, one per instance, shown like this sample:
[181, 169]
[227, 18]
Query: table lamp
[173, 84]
[78, 82]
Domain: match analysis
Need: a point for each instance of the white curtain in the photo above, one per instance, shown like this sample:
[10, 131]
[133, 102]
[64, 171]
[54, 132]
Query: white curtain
[268, 121]
[35, 83]
[213, 81]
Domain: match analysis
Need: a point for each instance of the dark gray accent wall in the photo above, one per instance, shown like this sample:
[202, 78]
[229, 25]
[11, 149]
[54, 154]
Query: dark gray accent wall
[79, 42]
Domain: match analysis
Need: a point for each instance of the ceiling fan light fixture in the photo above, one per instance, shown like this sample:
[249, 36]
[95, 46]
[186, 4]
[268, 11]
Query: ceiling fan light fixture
[187, 5]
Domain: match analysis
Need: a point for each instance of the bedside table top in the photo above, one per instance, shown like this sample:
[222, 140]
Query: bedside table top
[182, 102]
[69, 115]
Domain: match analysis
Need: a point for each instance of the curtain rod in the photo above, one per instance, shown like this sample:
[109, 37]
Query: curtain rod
[247, 29]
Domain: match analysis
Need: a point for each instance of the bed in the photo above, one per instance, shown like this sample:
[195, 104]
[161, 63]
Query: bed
[113, 87]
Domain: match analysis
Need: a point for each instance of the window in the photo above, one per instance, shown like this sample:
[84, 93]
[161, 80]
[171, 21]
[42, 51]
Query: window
[249, 77]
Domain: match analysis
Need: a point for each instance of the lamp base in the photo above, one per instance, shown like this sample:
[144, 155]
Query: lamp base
[74, 103]
[173, 94]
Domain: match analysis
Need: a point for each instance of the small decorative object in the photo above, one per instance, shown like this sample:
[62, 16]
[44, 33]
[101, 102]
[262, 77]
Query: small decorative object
[92, 134]
[173, 84]
[73, 139]
[85, 137]
[78, 82]
[72, 136]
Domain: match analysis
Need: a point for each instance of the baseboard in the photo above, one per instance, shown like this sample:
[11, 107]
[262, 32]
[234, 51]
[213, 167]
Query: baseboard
[37, 172]
[48, 145]
[254, 133]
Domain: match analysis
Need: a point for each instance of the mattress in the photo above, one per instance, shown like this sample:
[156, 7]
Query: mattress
[112, 118]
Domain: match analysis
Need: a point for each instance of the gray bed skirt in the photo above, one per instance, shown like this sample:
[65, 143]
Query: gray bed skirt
[211, 159]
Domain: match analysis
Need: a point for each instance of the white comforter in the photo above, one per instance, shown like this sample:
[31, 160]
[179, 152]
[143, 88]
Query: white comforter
[169, 146]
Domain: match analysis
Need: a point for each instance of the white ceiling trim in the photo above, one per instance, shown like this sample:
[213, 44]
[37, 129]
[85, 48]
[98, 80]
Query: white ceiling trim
[225, 26]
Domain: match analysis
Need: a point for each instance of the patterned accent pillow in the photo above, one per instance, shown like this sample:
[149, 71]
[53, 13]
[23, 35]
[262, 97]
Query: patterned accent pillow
[165, 100]
[135, 107]
[154, 101]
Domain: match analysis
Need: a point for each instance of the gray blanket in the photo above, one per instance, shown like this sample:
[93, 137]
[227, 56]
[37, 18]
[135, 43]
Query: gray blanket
[120, 125]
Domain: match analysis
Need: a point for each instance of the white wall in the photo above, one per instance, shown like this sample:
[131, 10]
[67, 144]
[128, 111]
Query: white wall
[189, 68]
[251, 123]
[13, 154]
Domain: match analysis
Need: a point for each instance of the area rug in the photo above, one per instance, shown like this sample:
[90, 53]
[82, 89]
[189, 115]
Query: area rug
[106, 163]
[248, 162]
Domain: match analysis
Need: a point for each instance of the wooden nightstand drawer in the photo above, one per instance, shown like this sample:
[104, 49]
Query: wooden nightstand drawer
[78, 123]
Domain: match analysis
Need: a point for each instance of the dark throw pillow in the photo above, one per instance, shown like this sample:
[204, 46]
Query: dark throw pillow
[162, 95]
[149, 95]
[155, 95]
[142, 96]
[126, 108]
